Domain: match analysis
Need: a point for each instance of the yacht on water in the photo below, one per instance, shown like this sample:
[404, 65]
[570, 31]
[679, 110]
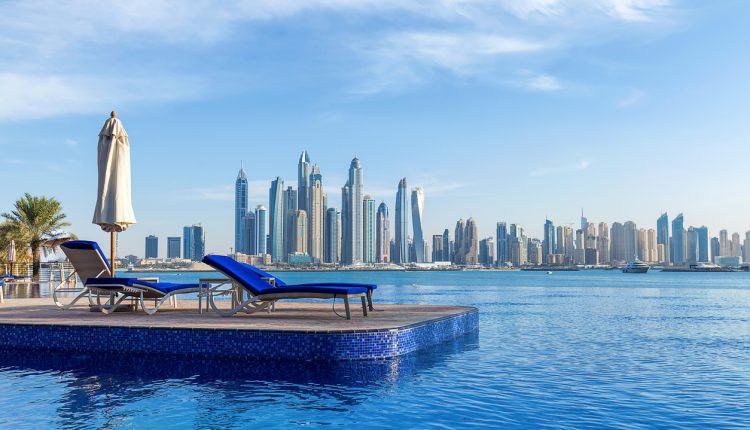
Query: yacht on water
[635, 266]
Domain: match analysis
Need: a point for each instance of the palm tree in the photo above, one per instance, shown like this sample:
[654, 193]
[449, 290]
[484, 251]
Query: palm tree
[33, 221]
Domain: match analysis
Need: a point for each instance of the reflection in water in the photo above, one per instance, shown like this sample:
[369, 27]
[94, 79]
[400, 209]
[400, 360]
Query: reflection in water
[105, 388]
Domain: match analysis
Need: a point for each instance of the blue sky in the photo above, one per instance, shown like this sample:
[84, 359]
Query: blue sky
[500, 110]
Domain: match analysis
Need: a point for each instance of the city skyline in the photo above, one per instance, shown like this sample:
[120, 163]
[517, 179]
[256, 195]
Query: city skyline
[458, 98]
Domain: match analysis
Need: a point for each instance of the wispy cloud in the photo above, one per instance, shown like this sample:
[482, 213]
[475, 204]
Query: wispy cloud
[542, 82]
[562, 169]
[633, 97]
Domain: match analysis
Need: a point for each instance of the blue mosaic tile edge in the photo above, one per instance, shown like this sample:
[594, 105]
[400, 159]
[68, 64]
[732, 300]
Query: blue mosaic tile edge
[350, 345]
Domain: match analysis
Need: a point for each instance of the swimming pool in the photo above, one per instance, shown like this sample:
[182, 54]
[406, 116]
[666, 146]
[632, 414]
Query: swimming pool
[571, 349]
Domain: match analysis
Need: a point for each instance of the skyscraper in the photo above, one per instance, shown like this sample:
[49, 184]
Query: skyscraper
[198, 242]
[446, 245]
[487, 252]
[467, 243]
[679, 242]
[402, 224]
[303, 181]
[602, 243]
[417, 217]
[704, 255]
[662, 236]
[261, 229]
[290, 205]
[691, 249]
[187, 242]
[173, 247]
[240, 209]
[332, 236]
[251, 229]
[584, 222]
[736, 247]
[437, 247]
[369, 236]
[383, 235]
[315, 214]
[724, 244]
[276, 219]
[299, 234]
[746, 247]
[152, 246]
[351, 215]
[715, 248]
[501, 239]
[548, 243]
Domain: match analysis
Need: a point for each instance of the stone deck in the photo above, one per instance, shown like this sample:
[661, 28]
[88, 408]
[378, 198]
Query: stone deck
[295, 330]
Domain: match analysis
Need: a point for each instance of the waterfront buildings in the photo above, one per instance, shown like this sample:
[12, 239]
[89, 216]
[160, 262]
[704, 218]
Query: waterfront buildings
[250, 233]
[401, 255]
[679, 242]
[437, 247]
[173, 247]
[299, 233]
[704, 255]
[501, 240]
[276, 219]
[290, 205]
[261, 229]
[383, 235]
[332, 232]
[746, 247]
[315, 214]
[662, 237]
[352, 196]
[240, 210]
[548, 243]
[417, 217]
[187, 242]
[466, 243]
[152, 246]
[486, 252]
[303, 181]
[369, 233]
[602, 243]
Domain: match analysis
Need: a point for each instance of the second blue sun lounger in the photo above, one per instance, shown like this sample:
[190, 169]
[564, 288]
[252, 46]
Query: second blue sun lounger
[138, 289]
[262, 294]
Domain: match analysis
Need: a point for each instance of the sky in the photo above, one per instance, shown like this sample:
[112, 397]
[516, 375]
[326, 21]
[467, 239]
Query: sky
[500, 110]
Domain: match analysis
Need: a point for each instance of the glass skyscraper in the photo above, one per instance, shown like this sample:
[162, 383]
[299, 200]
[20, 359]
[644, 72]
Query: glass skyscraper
[152, 246]
[548, 243]
[187, 242]
[351, 214]
[679, 243]
[173, 247]
[315, 214]
[368, 232]
[303, 182]
[383, 241]
[240, 210]
[261, 229]
[662, 236]
[401, 256]
[501, 241]
[332, 237]
[290, 205]
[276, 219]
[417, 218]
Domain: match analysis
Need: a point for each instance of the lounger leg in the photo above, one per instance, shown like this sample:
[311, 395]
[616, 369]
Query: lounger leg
[364, 305]
[369, 299]
[346, 307]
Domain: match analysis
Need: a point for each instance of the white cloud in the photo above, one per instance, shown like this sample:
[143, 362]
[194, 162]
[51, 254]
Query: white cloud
[543, 83]
[562, 169]
[632, 98]
[635, 10]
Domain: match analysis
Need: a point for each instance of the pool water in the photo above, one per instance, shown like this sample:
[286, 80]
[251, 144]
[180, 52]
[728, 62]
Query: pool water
[567, 350]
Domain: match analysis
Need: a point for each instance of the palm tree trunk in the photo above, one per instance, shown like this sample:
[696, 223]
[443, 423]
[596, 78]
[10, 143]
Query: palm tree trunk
[36, 255]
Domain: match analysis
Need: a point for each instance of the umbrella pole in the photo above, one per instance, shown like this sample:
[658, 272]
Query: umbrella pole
[112, 253]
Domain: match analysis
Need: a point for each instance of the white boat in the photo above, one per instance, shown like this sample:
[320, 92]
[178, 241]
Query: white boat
[636, 266]
[130, 267]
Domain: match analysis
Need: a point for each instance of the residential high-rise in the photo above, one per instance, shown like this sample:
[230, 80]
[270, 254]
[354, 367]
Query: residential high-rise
[290, 205]
[417, 218]
[447, 246]
[679, 242]
[580, 249]
[369, 231]
[467, 243]
[518, 244]
[332, 236]
[251, 230]
[736, 247]
[691, 249]
[261, 229]
[299, 234]
[624, 242]
[173, 247]
[152, 246]
[724, 245]
[746, 248]
[602, 243]
[276, 219]
[383, 235]
[501, 241]
[351, 214]
[487, 252]
[458, 239]
[240, 209]
[715, 248]
[437, 247]
[402, 224]
[662, 236]
[534, 251]
[187, 242]
[198, 242]
[315, 214]
[303, 182]
[704, 255]
[631, 240]
[548, 243]
[584, 222]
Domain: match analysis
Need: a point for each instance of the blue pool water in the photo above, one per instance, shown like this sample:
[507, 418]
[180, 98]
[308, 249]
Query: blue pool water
[567, 350]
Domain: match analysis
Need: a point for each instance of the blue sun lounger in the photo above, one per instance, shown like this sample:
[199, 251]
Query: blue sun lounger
[279, 283]
[92, 267]
[261, 294]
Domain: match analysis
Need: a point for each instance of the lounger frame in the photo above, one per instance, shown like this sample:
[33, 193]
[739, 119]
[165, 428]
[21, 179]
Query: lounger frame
[138, 293]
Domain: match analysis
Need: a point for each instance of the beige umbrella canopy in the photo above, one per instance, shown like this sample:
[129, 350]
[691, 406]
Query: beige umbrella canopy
[114, 209]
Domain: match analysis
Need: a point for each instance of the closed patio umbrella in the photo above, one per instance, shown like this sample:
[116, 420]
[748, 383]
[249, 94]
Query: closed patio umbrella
[114, 209]
[11, 255]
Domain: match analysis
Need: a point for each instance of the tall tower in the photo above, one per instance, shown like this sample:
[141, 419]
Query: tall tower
[383, 234]
[299, 234]
[303, 181]
[368, 229]
[276, 219]
[679, 242]
[501, 241]
[417, 218]
[446, 245]
[315, 214]
[261, 229]
[332, 236]
[240, 210]
[352, 195]
[548, 244]
[662, 236]
[401, 256]
[290, 205]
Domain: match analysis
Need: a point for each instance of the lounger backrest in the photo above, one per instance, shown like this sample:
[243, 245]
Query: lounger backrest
[238, 272]
[262, 274]
[87, 258]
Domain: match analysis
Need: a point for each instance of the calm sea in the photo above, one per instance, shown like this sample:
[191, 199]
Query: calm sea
[567, 350]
